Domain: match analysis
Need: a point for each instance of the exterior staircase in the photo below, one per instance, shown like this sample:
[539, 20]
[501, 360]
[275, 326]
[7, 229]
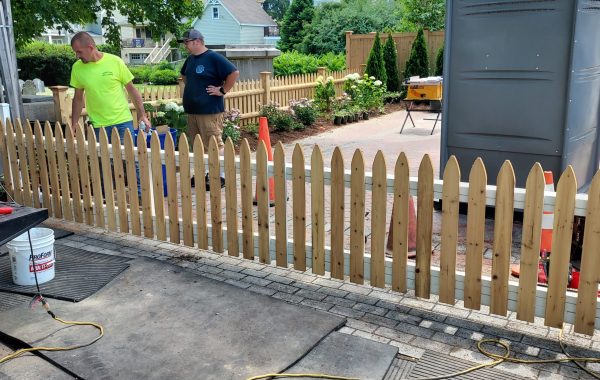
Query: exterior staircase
[159, 53]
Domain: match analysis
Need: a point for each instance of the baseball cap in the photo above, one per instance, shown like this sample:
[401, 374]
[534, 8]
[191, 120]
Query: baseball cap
[192, 34]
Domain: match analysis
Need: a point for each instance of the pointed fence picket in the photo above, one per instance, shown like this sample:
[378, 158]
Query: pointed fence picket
[72, 176]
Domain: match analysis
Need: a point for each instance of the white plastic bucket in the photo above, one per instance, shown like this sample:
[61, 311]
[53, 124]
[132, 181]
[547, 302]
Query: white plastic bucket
[42, 241]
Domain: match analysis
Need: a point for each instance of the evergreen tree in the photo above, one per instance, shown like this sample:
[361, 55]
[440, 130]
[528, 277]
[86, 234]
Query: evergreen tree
[390, 58]
[418, 62]
[296, 22]
[439, 62]
[375, 66]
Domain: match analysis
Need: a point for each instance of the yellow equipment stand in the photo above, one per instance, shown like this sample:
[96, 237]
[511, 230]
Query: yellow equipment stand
[422, 91]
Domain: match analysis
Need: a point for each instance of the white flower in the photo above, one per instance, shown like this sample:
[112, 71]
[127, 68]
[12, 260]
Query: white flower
[160, 114]
[180, 109]
[377, 83]
[329, 79]
[372, 78]
[359, 81]
[320, 79]
[353, 87]
[171, 106]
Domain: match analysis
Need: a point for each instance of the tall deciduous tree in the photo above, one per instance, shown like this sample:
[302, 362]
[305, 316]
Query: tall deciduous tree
[423, 14]
[327, 32]
[390, 59]
[296, 21]
[418, 62]
[32, 17]
[276, 8]
[375, 66]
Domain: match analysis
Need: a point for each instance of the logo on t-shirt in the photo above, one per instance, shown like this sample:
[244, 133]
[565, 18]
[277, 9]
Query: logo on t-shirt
[107, 73]
[199, 69]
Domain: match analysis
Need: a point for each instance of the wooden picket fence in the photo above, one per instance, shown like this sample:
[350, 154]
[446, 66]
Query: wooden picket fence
[358, 47]
[64, 173]
[246, 96]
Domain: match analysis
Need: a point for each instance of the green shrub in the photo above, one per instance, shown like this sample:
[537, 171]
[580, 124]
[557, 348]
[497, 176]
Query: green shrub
[279, 120]
[390, 58]
[304, 112]
[333, 62]
[164, 77]
[439, 62]
[251, 128]
[294, 63]
[418, 62]
[324, 93]
[141, 74]
[231, 126]
[164, 65]
[48, 62]
[375, 66]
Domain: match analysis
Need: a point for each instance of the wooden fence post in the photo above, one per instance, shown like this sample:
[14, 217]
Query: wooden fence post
[349, 62]
[321, 71]
[61, 107]
[180, 87]
[265, 81]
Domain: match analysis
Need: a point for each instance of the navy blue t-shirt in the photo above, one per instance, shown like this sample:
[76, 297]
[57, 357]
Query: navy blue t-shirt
[201, 71]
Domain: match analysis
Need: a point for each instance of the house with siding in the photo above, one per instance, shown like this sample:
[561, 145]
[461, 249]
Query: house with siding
[138, 45]
[235, 22]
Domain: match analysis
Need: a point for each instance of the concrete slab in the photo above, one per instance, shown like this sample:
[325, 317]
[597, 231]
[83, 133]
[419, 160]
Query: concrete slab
[347, 356]
[165, 322]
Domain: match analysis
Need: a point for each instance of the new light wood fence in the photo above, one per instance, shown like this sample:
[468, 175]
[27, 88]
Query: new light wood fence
[246, 96]
[67, 174]
[358, 47]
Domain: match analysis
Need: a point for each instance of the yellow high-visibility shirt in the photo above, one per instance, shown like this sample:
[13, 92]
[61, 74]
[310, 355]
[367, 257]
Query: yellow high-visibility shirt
[103, 82]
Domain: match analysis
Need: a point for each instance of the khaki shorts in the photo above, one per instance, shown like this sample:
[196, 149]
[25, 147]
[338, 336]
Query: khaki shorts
[206, 126]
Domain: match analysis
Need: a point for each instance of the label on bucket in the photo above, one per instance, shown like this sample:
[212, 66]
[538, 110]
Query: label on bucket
[43, 261]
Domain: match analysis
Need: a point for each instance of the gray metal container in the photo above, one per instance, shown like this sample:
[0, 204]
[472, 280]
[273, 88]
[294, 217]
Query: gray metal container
[522, 83]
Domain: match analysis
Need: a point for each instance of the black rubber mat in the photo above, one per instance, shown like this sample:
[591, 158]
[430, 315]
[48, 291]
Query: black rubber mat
[79, 274]
[433, 364]
[10, 300]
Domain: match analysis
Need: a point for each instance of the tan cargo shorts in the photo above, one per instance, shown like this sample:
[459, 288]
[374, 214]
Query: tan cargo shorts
[206, 126]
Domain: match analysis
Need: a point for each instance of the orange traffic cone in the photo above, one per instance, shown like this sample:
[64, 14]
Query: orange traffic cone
[263, 135]
[546, 236]
[412, 228]
[548, 217]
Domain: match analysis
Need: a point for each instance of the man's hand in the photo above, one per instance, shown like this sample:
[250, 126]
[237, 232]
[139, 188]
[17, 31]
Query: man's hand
[214, 90]
[146, 121]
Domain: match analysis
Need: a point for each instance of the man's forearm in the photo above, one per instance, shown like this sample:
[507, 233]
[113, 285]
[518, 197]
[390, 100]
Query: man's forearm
[230, 81]
[139, 105]
[76, 112]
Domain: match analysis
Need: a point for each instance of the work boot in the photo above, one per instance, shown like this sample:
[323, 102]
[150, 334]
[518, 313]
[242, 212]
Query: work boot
[207, 181]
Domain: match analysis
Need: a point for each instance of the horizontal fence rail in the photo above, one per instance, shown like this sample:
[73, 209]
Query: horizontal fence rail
[246, 96]
[81, 178]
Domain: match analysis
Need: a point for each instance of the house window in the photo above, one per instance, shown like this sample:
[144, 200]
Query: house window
[138, 32]
[215, 12]
[137, 57]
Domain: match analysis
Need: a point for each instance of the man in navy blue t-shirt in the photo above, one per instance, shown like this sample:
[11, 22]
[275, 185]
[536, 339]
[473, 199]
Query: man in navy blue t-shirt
[208, 76]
